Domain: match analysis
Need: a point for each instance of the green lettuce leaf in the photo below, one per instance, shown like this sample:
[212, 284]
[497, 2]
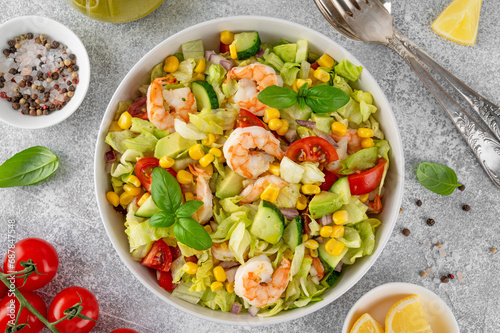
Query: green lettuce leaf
[312, 173]
[341, 83]
[290, 171]
[144, 142]
[289, 72]
[218, 300]
[115, 140]
[184, 73]
[141, 233]
[239, 242]
[203, 277]
[288, 196]
[183, 291]
[347, 70]
[351, 238]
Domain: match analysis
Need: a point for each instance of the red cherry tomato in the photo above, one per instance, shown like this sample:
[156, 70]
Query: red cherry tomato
[124, 330]
[247, 119]
[368, 180]
[3, 288]
[166, 281]
[9, 306]
[176, 252]
[43, 255]
[312, 149]
[67, 298]
[330, 178]
[159, 257]
[223, 48]
[143, 169]
[138, 108]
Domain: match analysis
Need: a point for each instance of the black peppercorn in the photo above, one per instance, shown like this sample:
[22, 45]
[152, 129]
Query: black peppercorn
[29, 35]
[13, 71]
[430, 222]
[461, 187]
[419, 203]
[6, 52]
[445, 279]
[11, 42]
[466, 208]
[406, 232]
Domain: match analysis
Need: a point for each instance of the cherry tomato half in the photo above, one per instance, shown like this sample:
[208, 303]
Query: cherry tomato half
[67, 298]
[166, 281]
[43, 255]
[223, 48]
[124, 330]
[159, 257]
[247, 119]
[368, 180]
[143, 169]
[138, 108]
[330, 178]
[312, 149]
[9, 306]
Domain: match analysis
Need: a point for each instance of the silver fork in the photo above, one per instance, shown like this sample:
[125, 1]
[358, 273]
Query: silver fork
[369, 21]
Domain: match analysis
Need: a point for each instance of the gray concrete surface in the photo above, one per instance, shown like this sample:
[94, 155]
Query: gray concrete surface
[63, 210]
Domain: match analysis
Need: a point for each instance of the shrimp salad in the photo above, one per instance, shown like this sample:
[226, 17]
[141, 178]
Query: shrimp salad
[282, 150]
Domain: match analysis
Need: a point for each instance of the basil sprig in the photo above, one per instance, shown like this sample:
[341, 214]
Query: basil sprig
[167, 195]
[321, 99]
[28, 167]
[438, 178]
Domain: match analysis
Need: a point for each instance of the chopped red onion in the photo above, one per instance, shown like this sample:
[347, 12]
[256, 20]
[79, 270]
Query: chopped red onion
[236, 307]
[110, 156]
[227, 64]
[253, 310]
[291, 135]
[326, 220]
[230, 274]
[228, 264]
[216, 59]
[306, 123]
[209, 54]
[260, 53]
[338, 268]
[325, 136]
[320, 240]
[289, 213]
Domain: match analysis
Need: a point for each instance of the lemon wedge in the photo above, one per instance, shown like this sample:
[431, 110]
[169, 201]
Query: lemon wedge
[366, 324]
[407, 316]
[459, 21]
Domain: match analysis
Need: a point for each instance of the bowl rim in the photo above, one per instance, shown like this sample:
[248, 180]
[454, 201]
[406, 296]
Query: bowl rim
[290, 315]
[83, 64]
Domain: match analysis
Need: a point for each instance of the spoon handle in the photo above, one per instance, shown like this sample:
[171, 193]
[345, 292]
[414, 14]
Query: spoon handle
[484, 145]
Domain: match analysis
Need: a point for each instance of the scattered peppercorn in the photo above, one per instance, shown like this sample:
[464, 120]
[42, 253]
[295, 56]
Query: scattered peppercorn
[445, 279]
[461, 187]
[466, 208]
[419, 203]
[406, 232]
[400, 210]
[493, 250]
[423, 274]
[439, 244]
[431, 222]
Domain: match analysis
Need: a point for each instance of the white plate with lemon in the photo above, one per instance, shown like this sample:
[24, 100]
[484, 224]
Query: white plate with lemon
[400, 308]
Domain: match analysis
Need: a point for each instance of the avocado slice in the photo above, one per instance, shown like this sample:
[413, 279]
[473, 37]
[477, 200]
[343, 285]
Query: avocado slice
[230, 185]
[324, 203]
[323, 122]
[172, 145]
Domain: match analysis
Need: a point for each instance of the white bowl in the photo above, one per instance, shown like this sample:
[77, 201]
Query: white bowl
[378, 301]
[59, 32]
[270, 29]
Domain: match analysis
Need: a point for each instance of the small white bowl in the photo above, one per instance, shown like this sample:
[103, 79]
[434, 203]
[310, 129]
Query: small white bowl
[56, 31]
[378, 301]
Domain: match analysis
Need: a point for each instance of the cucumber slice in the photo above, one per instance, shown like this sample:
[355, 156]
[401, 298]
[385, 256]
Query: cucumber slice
[330, 279]
[147, 209]
[328, 259]
[293, 233]
[205, 95]
[268, 223]
[247, 44]
[341, 186]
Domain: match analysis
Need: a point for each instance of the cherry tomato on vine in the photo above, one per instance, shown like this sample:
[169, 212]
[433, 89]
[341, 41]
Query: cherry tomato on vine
[3, 288]
[9, 306]
[312, 149]
[67, 298]
[138, 108]
[43, 255]
[159, 257]
[124, 330]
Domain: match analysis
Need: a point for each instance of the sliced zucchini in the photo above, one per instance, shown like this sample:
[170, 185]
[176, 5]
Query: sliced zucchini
[205, 95]
[247, 44]
[330, 279]
[330, 260]
[293, 233]
[147, 209]
[268, 223]
[341, 186]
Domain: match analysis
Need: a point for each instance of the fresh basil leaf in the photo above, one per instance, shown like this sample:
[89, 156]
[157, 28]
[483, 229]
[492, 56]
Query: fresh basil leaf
[325, 99]
[278, 97]
[162, 219]
[303, 89]
[188, 208]
[302, 102]
[165, 190]
[189, 232]
[438, 178]
[28, 167]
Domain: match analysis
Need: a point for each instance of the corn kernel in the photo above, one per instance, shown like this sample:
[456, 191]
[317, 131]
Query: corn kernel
[206, 160]
[274, 168]
[190, 268]
[270, 193]
[232, 51]
[326, 231]
[364, 197]
[365, 132]
[294, 86]
[184, 177]
[188, 196]
[326, 61]
[284, 128]
[143, 199]
[133, 180]
[309, 189]
[114, 127]
[196, 152]
[216, 285]
[200, 66]
[208, 228]
[113, 198]
[125, 199]
[339, 129]
[132, 190]
[300, 82]
[199, 77]
[334, 247]
[230, 287]
[171, 64]
[301, 203]
[321, 75]
[367, 143]
[288, 254]
[275, 124]
[167, 162]
[311, 244]
[222, 159]
[209, 140]
[305, 237]
[219, 274]
[125, 120]
[313, 253]
[307, 256]
[215, 151]
[340, 217]
[226, 37]
[271, 113]
[337, 231]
